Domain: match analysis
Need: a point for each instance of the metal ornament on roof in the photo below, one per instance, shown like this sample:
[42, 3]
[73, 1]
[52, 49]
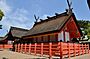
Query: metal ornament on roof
[69, 5]
[36, 18]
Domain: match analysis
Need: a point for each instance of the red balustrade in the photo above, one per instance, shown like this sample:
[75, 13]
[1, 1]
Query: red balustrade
[5, 46]
[53, 49]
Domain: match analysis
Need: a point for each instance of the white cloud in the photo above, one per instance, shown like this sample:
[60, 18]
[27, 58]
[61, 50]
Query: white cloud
[20, 15]
[18, 18]
[44, 16]
[4, 6]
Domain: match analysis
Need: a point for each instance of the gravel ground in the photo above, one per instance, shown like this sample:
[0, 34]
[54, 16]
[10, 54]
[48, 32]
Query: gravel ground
[86, 56]
[5, 54]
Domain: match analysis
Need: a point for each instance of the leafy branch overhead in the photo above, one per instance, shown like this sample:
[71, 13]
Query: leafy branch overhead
[1, 15]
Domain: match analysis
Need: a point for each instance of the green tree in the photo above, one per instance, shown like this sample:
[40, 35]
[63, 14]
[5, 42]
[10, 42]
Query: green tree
[1, 15]
[85, 25]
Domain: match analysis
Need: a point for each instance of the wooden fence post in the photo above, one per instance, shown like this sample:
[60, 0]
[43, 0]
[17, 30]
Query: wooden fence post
[18, 47]
[21, 48]
[41, 49]
[82, 49]
[85, 48]
[68, 50]
[50, 50]
[74, 49]
[61, 50]
[79, 49]
[2, 46]
[88, 48]
[15, 47]
[30, 48]
[25, 47]
[35, 48]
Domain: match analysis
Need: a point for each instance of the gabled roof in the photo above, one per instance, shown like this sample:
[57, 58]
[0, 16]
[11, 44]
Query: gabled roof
[51, 24]
[1, 38]
[15, 32]
[18, 32]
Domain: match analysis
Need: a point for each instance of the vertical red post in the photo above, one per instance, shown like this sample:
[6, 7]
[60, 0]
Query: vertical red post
[74, 49]
[41, 49]
[3, 46]
[18, 47]
[88, 48]
[25, 48]
[21, 48]
[30, 48]
[82, 49]
[79, 49]
[15, 47]
[35, 48]
[68, 50]
[85, 48]
[50, 50]
[61, 50]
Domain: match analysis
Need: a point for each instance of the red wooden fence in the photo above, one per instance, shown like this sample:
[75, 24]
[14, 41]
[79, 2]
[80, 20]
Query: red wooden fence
[60, 49]
[5, 46]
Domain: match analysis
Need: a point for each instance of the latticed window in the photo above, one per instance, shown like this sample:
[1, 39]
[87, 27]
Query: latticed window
[53, 38]
[56, 37]
[39, 39]
[34, 39]
[45, 39]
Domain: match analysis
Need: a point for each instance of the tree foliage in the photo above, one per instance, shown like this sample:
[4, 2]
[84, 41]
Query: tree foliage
[85, 25]
[1, 15]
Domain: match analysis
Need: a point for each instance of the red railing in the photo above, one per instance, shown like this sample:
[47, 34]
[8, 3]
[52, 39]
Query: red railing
[60, 49]
[5, 46]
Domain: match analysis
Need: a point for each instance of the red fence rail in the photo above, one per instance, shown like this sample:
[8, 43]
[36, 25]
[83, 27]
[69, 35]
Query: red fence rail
[5, 46]
[60, 49]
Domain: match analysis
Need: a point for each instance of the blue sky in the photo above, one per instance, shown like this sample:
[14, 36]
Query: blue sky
[19, 13]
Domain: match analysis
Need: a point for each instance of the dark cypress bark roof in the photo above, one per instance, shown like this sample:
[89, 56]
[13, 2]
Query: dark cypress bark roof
[51, 24]
[15, 32]
[1, 38]
[18, 32]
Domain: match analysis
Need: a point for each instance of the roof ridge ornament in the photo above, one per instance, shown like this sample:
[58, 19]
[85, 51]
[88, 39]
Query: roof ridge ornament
[69, 10]
[56, 14]
[36, 18]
